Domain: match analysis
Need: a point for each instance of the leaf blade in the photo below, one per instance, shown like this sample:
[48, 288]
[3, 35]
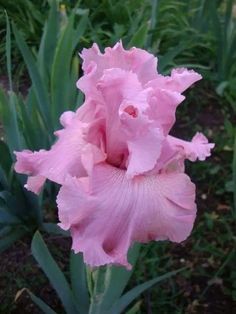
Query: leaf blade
[41, 304]
[131, 295]
[53, 272]
[79, 282]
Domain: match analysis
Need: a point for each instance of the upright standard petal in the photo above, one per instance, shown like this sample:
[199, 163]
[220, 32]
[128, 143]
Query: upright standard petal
[166, 95]
[133, 138]
[108, 212]
[136, 60]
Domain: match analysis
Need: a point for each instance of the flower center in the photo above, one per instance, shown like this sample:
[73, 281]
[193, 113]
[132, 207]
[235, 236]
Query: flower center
[132, 111]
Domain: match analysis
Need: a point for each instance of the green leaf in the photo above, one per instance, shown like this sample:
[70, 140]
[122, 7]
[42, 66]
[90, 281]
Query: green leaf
[10, 238]
[48, 42]
[6, 217]
[8, 51]
[79, 282]
[34, 129]
[228, 14]
[53, 272]
[9, 119]
[167, 60]
[61, 85]
[39, 87]
[6, 160]
[42, 305]
[131, 295]
[140, 37]
[54, 229]
[3, 180]
[80, 29]
[234, 174]
[73, 90]
[135, 309]
[30, 127]
[110, 283]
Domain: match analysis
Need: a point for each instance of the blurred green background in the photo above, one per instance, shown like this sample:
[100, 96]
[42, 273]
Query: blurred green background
[39, 65]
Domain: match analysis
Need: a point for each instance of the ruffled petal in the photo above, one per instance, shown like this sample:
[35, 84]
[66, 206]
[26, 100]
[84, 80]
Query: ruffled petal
[179, 80]
[198, 148]
[111, 212]
[34, 184]
[126, 98]
[136, 60]
[63, 158]
[166, 95]
[163, 104]
[144, 152]
[130, 132]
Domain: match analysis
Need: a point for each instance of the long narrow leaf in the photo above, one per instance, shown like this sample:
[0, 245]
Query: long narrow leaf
[48, 42]
[140, 37]
[8, 51]
[54, 229]
[60, 71]
[5, 160]
[39, 87]
[131, 295]
[79, 282]
[110, 283]
[234, 174]
[10, 123]
[42, 305]
[53, 272]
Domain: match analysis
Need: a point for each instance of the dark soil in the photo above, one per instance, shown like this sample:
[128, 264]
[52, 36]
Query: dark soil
[19, 270]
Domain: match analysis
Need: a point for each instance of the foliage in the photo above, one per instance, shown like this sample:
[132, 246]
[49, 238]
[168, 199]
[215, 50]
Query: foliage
[29, 122]
[107, 284]
[29, 17]
[200, 34]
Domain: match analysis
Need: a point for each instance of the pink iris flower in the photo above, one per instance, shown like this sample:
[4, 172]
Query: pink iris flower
[121, 173]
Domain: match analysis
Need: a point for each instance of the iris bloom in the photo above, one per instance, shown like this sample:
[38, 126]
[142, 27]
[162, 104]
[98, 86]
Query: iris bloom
[121, 173]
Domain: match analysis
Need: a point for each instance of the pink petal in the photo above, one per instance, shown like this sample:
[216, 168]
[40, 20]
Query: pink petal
[63, 158]
[198, 148]
[119, 89]
[166, 95]
[163, 104]
[144, 152]
[110, 212]
[179, 80]
[129, 130]
[136, 60]
[35, 183]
